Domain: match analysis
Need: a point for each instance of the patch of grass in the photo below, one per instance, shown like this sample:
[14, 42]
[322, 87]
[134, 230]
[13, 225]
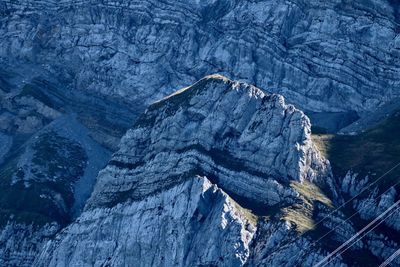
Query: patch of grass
[310, 192]
[248, 214]
[370, 153]
[323, 143]
[301, 214]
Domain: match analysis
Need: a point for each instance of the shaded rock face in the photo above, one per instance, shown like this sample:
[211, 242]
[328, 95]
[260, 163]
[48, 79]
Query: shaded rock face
[323, 56]
[177, 193]
[20, 243]
[44, 184]
[49, 162]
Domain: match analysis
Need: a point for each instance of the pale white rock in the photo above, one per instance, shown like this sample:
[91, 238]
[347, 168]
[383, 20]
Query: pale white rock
[353, 184]
[248, 142]
[375, 204]
[193, 223]
[166, 197]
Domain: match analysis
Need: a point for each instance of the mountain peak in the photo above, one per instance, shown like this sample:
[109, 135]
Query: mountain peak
[245, 146]
[214, 128]
[215, 82]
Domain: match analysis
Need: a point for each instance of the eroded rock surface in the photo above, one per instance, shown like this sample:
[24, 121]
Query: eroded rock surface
[190, 179]
[324, 56]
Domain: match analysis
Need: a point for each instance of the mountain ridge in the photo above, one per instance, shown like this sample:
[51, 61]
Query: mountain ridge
[192, 134]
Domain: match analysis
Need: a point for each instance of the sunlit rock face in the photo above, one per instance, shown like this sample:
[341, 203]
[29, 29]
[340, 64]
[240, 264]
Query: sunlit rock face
[323, 56]
[218, 173]
[201, 154]
[192, 223]
[217, 128]
[178, 190]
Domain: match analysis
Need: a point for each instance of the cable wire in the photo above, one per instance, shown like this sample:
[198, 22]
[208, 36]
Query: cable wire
[390, 259]
[332, 254]
[355, 242]
[347, 219]
[356, 195]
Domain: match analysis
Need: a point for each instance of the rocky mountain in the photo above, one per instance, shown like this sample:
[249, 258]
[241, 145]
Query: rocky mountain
[221, 159]
[339, 58]
[53, 144]
[198, 181]
[173, 194]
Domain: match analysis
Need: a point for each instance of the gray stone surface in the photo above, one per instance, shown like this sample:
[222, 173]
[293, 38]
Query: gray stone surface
[106, 60]
[193, 223]
[196, 182]
[323, 56]
[154, 200]
[222, 129]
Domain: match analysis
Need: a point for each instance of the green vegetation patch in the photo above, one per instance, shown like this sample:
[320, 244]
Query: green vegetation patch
[370, 153]
[301, 214]
[247, 213]
[373, 153]
[311, 192]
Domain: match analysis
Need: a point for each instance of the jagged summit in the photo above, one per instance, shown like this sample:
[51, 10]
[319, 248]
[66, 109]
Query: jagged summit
[189, 157]
[205, 84]
[215, 128]
[217, 174]
[209, 151]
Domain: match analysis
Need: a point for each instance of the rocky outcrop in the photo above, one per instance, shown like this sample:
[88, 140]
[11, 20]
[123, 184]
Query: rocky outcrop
[190, 179]
[324, 56]
[192, 223]
[20, 242]
[218, 128]
[44, 186]
[198, 181]
[48, 166]
[336, 60]
[53, 143]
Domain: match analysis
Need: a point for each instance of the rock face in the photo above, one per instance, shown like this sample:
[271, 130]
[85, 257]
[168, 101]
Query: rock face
[44, 186]
[74, 75]
[323, 56]
[20, 242]
[192, 223]
[220, 129]
[176, 192]
[199, 181]
[50, 156]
